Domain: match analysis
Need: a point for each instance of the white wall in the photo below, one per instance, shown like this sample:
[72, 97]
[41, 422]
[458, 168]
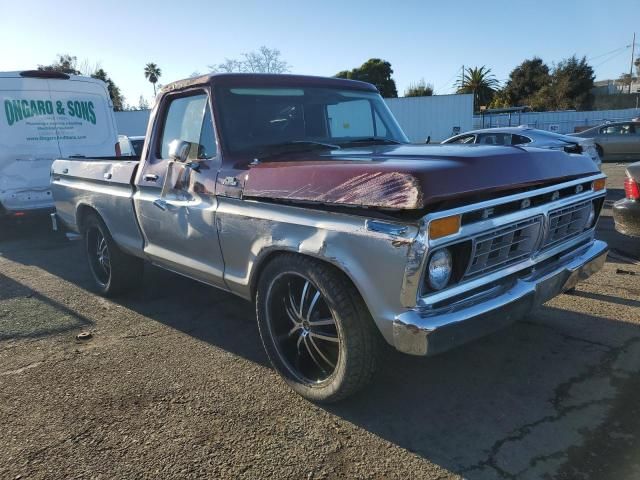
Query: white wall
[561, 122]
[434, 116]
[132, 123]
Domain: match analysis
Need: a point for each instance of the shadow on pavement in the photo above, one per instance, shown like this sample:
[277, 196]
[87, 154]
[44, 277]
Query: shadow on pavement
[512, 402]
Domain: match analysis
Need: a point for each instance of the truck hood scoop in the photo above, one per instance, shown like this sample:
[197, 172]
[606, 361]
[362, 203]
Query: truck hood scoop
[409, 177]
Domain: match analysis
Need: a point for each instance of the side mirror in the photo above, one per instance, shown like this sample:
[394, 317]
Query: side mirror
[428, 140]
[179, 151]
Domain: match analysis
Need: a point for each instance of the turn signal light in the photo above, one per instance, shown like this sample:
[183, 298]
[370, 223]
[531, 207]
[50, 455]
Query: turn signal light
[599, 184]
[441, 227]
[631, 189]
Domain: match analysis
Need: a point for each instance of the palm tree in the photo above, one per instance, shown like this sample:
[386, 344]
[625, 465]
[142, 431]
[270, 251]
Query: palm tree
[479, 81]
[152, 73]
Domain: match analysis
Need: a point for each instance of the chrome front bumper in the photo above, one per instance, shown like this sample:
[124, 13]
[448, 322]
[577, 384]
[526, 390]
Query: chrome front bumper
[425, 331]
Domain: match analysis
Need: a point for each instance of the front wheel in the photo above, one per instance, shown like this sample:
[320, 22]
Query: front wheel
[113, 271]
[315, 328]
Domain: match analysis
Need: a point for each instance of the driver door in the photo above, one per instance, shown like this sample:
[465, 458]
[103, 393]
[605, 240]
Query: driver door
[175, 199]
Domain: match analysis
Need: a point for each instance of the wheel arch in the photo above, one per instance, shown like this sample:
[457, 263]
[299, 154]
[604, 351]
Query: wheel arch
[268, 256]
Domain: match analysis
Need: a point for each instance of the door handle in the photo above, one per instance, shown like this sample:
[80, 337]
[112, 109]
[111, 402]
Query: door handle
[161, 204]
[150, 177]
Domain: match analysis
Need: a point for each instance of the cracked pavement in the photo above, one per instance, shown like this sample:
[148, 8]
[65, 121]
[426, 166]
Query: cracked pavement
[174, 383]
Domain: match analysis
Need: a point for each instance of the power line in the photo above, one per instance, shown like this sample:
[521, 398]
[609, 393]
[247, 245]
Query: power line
[609, 59]
[608, 53]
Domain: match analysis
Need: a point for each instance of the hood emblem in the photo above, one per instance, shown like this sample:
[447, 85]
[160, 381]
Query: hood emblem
[579, 188]
[487, 212]
[526, 203]
[555, 196]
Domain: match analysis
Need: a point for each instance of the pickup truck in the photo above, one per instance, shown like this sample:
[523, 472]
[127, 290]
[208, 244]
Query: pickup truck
[303, 195]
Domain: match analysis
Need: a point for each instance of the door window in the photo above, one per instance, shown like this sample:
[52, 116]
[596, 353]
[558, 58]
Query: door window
[519, 139]
[189, 119]
[621, 129]
[464, 139]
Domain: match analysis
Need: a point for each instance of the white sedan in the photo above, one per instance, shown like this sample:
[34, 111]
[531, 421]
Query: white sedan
[531, 137]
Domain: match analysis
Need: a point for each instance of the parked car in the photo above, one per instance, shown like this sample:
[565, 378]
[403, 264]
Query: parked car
[46, 115]
[616, 140]
[130, 146]
[531, 137]
[626, 212]
[303, 195]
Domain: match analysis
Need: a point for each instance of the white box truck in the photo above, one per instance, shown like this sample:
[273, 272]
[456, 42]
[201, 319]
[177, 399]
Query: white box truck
[47, 115]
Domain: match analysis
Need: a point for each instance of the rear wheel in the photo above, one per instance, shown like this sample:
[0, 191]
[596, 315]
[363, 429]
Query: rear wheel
[113, 271]
[315, 328]
[600, 151]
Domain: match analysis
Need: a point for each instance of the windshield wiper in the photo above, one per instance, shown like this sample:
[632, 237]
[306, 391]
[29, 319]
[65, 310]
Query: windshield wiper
[273, 149]
[309, 143]
[382, 141]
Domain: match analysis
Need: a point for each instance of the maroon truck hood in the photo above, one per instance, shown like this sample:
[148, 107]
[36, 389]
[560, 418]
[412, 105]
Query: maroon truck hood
[409, 177]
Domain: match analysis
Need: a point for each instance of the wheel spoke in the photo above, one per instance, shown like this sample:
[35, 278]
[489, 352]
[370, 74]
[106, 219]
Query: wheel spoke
[324, 357]
[325, 336]
[313, 357]
[323, 321]
[291, 314]
[298, 343]
[294, 329]
[313, 304]
[304, 294]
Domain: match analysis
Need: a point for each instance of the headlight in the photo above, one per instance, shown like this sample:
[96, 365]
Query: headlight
[439, 269]
[592, 216]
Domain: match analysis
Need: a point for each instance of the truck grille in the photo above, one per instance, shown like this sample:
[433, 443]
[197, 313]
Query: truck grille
[504, 246]
[567, 222]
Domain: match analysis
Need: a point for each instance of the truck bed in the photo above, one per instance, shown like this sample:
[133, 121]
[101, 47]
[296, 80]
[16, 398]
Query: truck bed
[104, 185]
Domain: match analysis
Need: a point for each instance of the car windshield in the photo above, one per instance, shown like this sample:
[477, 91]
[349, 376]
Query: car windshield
[260, 119]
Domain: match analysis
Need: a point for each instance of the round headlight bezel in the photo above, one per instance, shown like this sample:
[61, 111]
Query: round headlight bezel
[439, 269]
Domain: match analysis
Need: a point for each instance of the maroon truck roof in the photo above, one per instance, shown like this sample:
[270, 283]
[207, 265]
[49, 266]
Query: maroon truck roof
[268, 80]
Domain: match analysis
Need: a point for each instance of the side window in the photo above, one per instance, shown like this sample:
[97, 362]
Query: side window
[189, 119]
[468, 139]
[207, 148]
[612, 130]
[381, 129]
[519, 140]
[350, 119]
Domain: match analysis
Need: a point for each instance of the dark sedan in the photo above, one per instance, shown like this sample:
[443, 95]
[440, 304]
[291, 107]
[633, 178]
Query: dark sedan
[626, 212]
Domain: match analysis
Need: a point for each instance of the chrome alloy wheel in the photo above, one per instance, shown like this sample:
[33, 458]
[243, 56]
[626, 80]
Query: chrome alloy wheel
[99, 256]
[304, 331]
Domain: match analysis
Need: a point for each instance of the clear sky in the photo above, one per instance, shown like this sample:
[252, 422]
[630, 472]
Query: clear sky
[421, 39]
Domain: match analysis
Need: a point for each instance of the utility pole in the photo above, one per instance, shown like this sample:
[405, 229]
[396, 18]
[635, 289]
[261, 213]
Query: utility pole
[633, 50]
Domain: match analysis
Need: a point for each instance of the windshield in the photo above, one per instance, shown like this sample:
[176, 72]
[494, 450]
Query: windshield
[257, 119]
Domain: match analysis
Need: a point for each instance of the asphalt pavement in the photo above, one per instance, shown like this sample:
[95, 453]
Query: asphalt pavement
[173, 383]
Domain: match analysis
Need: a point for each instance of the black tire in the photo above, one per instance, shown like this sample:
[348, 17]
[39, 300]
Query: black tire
[600, 152]
[344, 355]
[113, 271]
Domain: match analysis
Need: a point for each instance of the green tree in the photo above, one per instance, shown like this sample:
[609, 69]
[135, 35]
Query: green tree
[500, 99]
[152, 73]
[481, 83]
[65, 63]
[114, 91]
[419, 89]
[525, 81]
[375, 71]
[571, 85]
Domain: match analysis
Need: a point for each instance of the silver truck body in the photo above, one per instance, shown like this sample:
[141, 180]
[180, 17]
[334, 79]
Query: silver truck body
[385, 263]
